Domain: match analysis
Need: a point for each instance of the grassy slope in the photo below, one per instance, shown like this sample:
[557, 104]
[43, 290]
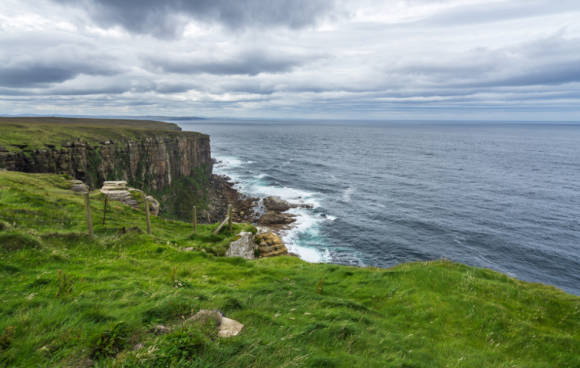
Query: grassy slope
[35, 133]
[432, 314]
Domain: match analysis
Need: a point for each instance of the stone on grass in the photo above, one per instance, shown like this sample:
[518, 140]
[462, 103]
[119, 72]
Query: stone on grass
[229, 327]
[244, 247]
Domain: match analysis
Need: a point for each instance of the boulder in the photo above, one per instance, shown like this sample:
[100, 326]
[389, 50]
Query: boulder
[78, 186]
[229, 327]
[274, 218]
[244, 246]
[276, 204]
[119, 191]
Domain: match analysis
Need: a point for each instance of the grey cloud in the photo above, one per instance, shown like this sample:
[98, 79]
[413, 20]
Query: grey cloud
[250, 62]
[557, 73]
[163, 18]
[486, 13]
[549, 61]
[33, 74]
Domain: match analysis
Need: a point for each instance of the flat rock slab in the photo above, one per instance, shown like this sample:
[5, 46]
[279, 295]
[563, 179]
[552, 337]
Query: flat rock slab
[115, 185]
[119, 191]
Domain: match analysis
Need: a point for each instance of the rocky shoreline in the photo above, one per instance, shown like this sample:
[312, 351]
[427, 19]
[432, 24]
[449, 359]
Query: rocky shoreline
[269, 214]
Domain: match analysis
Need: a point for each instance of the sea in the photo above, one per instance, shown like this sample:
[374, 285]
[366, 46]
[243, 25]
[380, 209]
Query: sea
[504, 196]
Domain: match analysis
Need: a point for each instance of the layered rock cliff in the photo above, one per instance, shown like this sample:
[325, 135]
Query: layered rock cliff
[173, 165]
[154, 162]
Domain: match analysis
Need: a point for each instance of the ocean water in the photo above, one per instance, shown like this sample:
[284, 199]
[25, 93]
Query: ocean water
[501, 196]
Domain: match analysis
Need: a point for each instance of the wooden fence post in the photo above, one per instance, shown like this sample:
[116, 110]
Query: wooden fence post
[105, 210]
[230, 217]
[194, 219]
[147, 216]
[88, 214]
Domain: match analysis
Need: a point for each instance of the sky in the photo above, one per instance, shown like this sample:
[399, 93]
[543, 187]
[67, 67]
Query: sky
[321, 59]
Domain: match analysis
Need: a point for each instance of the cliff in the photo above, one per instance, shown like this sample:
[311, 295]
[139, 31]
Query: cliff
[157, 157]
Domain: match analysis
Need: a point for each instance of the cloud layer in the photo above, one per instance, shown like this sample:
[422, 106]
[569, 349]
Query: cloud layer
[413, 59]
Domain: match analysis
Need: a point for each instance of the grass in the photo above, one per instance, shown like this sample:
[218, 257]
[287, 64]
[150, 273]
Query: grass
[32, 133]
[72, 301]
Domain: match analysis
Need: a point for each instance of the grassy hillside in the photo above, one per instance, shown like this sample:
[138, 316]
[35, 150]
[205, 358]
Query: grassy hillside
[37, 132]
[72, 301]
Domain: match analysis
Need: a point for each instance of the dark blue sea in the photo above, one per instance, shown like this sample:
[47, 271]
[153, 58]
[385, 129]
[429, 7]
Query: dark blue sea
[501, 196]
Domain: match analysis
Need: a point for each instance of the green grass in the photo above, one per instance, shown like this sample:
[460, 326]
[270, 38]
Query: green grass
[32, 133]
[69, 300]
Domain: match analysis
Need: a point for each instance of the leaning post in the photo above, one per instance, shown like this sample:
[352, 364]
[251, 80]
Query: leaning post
[147, 215]
[194, 219]
[230, 217]
[88, 214]
[105, 210]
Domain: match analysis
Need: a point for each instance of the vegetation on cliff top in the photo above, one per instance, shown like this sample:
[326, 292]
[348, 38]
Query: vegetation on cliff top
[30, 133]
[68, 300]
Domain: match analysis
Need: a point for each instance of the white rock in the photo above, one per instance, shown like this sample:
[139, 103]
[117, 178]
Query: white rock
[229, 327]
[244, 247]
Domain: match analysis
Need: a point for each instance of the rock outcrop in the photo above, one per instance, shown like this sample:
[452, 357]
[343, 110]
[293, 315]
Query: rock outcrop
[250, 246]
[275, 218]
[221, 192]
[119, 191]
[270, 245]
[244, 247]
[276, 204]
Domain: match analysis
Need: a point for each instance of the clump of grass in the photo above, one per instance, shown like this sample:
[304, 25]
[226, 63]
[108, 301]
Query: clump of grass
[4, 226]
[65, 284]
[6, 337]
[15, 241]
[111, 341]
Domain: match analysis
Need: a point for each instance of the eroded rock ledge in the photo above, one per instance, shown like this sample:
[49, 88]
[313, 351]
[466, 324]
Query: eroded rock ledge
[250, 246]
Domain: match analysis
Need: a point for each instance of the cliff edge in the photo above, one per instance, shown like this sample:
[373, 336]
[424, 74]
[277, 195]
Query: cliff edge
[157, 157]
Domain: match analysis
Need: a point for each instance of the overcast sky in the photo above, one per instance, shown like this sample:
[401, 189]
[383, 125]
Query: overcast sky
[391, 59]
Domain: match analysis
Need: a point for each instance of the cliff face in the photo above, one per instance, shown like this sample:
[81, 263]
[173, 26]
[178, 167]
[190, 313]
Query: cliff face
[152, 162]
[172, 165]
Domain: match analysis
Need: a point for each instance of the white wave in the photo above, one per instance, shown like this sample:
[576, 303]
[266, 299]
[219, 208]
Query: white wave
[227, 162]
[306, 224]
[292, 195]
